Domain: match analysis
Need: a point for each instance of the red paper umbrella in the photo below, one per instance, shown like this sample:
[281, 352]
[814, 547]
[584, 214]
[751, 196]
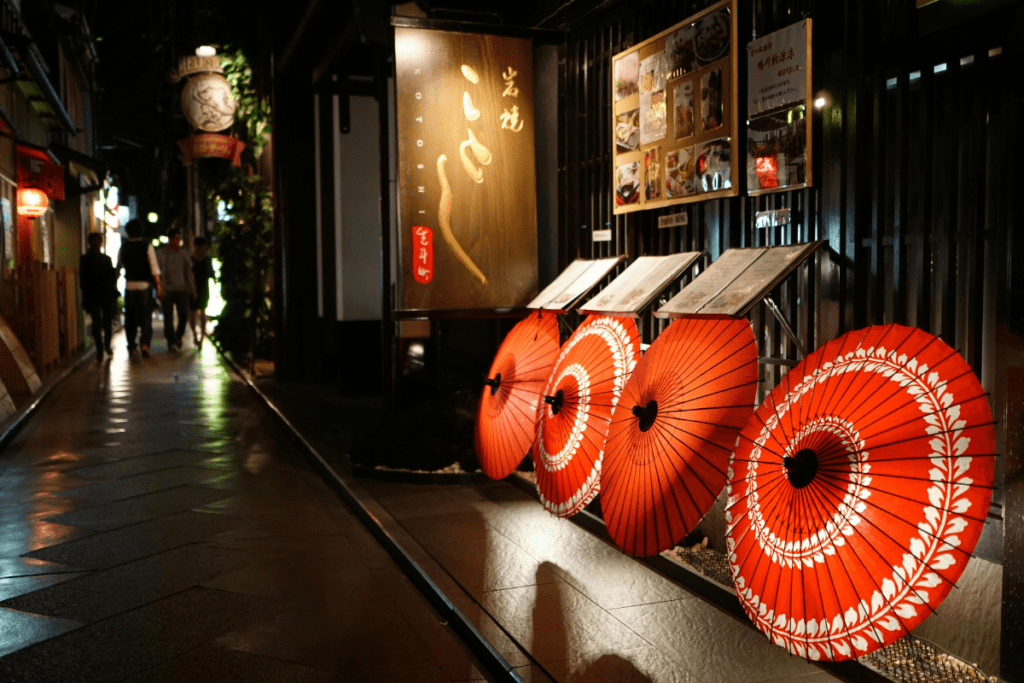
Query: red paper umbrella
[506, 420]
[669, 442]
[580, 395]
[858, 490]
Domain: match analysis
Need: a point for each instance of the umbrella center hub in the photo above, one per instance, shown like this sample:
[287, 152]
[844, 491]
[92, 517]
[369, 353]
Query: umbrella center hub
[801, 468]
[647, 414]
[555, 401]
[493, 383]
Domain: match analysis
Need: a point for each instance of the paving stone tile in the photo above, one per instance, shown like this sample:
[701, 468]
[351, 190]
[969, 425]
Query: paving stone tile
[224, 665]
[533, 674]
[477, 556]
[150, 506]
[12, 588]
[143, 638]
[21, 537]
[644, 664]
[111, 548]
[11, 567]
[19, 629]
[101, 594]
[817, 677]
[555, 622]
[337, 638]
[144, 462]
[150, 482]
[710, 643]
[574, 552]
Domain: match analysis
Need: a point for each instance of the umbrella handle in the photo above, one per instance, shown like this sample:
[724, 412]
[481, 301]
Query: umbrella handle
[493, 383]
[801, 468]
[647, 414]
[555, 401]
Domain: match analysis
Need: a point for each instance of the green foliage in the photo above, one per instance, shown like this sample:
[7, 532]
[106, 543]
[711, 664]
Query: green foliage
[242, 203]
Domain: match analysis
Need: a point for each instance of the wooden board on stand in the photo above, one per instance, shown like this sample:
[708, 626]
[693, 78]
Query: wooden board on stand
[737, 281]
[574, 283]
[647, 277]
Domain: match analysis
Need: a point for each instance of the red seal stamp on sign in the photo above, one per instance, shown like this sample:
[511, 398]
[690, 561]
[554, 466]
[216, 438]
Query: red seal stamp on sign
[422, 254]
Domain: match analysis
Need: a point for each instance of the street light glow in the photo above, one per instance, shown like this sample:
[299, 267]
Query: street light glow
[152, 217]
[206, 51]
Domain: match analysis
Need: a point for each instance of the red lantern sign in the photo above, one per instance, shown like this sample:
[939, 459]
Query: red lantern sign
[32, 202]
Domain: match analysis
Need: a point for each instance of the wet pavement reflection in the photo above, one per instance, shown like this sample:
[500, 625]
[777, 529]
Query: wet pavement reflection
[155, 526]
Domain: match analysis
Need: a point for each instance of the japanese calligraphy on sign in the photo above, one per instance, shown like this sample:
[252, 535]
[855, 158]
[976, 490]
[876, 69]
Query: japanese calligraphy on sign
[423, 254]
[778, 68]
[466, 178]
[675, 120]
[778, 134]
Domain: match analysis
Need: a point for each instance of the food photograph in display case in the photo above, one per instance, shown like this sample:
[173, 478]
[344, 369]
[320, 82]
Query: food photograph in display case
[652, 173]
[682, 104]
[627, 183]
[777, 150]
[652, 73]
[685, 107]
[711, 105]
[680, 179]
[627, 131]
[653, 117]
[714, 166]
[681, 56]
[712, 37]
[627, 76]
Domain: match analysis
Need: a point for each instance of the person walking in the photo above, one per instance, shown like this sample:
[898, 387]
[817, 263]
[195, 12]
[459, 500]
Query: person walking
[179, 287]
[202, 273]
[141, 271]
[98, 280]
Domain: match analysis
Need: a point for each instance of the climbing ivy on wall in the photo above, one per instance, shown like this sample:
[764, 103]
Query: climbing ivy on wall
[241, 202]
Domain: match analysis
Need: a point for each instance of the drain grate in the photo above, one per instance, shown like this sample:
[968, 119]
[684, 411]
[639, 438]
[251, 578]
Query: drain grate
[909, 660]
[912, 660]
[711, 563]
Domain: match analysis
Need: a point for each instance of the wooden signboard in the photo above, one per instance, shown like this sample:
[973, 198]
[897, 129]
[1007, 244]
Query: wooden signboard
[647, 277]
[466, 180]
[573, 284]
[675, 125]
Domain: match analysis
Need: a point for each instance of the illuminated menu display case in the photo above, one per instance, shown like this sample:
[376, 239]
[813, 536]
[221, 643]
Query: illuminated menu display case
[675, 127]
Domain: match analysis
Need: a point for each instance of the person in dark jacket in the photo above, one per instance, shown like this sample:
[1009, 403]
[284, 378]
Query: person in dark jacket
[202, 272]
[141, 270]
[98, 280]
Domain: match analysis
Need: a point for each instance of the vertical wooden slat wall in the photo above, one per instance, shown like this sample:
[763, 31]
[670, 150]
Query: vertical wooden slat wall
[912, 167]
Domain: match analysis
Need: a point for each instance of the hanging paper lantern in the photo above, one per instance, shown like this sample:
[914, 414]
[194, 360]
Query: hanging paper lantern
[32, 202]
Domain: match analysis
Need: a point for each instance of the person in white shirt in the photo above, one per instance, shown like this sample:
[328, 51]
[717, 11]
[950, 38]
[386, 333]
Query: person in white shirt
[141, 271]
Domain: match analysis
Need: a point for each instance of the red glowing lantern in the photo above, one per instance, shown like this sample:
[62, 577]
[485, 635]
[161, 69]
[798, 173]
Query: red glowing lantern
[32, 202]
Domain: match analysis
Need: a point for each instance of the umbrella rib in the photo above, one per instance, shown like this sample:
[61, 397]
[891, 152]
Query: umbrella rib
[824, 455]
[867, 377]
[689, 398]
[697, 452]
[917, 417]
[682, 479]
[789, 536]
[875, 473]
[831, 479]
[819, 509]
[774, 502]
[869, 544]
